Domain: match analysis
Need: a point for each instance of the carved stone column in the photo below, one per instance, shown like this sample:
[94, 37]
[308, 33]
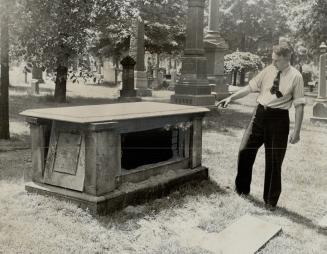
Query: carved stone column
[141, 81]
[215, 50]
[193, 87]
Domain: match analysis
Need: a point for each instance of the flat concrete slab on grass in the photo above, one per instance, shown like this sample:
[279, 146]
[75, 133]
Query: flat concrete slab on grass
[245, 236]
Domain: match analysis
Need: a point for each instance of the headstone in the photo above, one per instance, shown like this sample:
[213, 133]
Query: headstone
[37, 74]
[128, 92]
[320, 105]
[323, 222]
[35, 89]
[108, 72]
[155, 82]
[193, 87]
[173, 77]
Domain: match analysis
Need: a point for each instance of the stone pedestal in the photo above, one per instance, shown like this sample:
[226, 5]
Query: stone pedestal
[141, 84]
[193, 87]
[128, 91]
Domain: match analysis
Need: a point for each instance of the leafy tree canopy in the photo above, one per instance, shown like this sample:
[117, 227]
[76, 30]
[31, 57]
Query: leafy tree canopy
[242, 61]
[252, 24]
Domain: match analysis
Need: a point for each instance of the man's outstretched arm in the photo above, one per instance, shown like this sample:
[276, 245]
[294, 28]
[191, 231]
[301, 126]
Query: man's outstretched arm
[239, 94]
[295, 136]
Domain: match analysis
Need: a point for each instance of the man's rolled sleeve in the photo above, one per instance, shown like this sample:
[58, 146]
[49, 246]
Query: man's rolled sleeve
[298, 91]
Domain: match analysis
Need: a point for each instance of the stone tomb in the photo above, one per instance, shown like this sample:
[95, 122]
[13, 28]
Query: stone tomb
[105, 157]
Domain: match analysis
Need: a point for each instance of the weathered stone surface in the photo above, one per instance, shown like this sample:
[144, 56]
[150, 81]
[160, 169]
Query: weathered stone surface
[112, 112]
[65, 164]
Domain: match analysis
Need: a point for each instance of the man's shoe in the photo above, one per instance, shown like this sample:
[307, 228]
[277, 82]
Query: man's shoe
[270, 207]
[241, 192]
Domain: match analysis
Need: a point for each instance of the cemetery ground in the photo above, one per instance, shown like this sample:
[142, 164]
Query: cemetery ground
[37, 224]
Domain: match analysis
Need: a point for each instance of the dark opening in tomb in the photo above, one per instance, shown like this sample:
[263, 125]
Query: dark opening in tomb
[147, 147]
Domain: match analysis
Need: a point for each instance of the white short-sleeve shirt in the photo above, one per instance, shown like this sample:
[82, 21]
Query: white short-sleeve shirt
[290, 85]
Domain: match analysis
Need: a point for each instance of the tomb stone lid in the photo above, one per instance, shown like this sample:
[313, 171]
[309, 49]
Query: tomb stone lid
[112, 112]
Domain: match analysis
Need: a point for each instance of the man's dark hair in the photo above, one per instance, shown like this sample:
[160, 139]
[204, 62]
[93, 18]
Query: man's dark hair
[283, 49]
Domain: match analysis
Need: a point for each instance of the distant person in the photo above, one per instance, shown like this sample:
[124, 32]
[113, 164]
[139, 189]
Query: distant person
[279, 85]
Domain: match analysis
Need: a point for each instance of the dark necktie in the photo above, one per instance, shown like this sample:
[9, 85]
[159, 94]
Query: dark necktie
[275, 88]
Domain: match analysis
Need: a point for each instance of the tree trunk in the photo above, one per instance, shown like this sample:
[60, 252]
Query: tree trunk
[4, 80]
[61, 80]
[156, 70]
[242, 78]
[235, 77]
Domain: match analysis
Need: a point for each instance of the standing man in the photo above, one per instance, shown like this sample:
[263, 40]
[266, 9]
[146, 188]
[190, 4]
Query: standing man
[279, 85]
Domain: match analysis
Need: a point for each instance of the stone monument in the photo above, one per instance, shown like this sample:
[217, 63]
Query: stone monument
[128, 92]
[37, 74]
[215, 49]
[193, 87]
[320, 105]
[141, 81]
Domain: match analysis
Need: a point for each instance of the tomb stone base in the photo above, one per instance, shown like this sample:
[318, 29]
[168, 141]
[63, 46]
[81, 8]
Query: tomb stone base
[126, 194]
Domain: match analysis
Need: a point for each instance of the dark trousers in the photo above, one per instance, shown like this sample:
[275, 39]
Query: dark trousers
[270, 127]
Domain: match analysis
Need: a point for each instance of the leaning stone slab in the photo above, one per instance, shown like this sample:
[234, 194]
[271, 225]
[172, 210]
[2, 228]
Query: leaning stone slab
[247, 235]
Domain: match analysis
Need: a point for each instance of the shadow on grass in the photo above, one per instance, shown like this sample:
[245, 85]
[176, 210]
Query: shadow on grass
[26, 89]
[175, 199]
[223, 120]
[293, 216]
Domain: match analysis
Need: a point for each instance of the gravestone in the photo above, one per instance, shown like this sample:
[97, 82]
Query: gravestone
[323, 222]
[35, 89]
[128, 91]
[37, 74]
[108, 72]
[320, 105]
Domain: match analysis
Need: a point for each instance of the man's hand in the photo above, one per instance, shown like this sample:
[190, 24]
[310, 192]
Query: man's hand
[224, 103]
[294, 138]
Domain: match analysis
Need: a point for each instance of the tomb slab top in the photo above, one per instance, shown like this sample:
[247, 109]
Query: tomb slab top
[112, 112]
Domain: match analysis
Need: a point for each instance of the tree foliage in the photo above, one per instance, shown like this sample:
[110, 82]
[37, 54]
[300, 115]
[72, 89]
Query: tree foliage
[164, 25]
[52, 29]
[252, 25]
[242, 61]
[308, 21]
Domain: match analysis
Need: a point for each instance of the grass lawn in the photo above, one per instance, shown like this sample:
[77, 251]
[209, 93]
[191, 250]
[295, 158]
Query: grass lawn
[37, 224]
